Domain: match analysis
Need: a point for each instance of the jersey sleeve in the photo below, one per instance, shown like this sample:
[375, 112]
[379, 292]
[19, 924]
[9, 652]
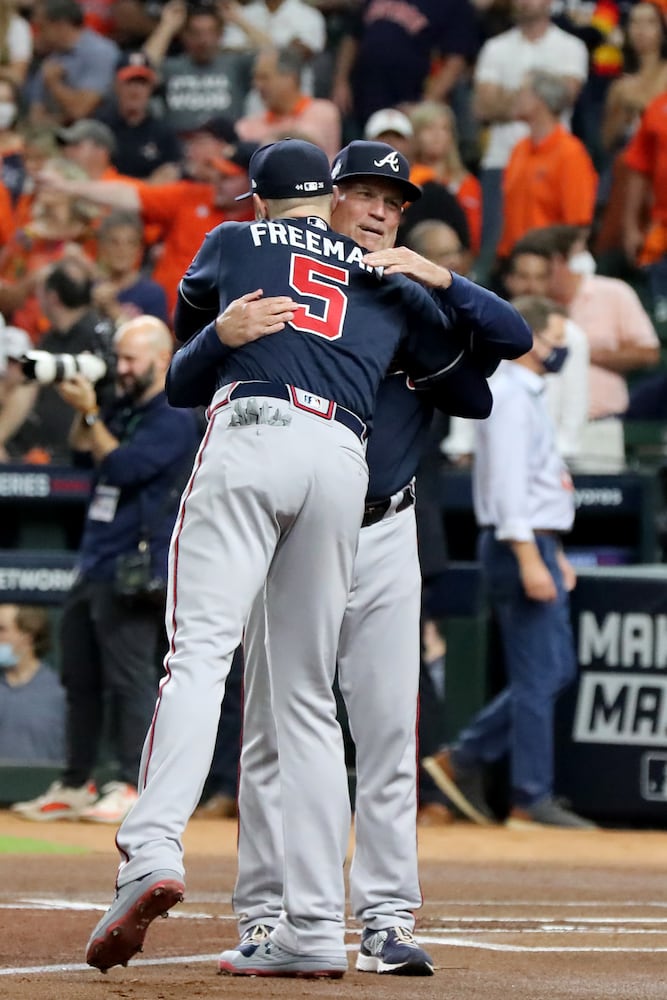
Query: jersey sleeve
[428, 348]
[198, 299]
[496, 329]
[465, 392]
[193, 373]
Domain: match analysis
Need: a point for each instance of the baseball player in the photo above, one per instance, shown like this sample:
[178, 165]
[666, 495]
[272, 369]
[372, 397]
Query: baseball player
[378, 653]
[274, 503]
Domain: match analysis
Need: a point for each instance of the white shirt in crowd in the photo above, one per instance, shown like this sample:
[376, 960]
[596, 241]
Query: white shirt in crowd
[567, 400]
[567, 394]
[294, 20]
[520, 483]
[505, 60]
[19, 39]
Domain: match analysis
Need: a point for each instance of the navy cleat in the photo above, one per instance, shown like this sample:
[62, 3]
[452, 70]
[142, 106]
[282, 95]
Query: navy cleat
[120, 933]
[393, 951]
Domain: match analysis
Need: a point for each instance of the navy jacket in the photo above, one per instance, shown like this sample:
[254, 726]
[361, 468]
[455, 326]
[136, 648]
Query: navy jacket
[148, 469]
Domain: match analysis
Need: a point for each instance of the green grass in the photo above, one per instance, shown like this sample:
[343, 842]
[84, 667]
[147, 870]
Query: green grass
[30, 845]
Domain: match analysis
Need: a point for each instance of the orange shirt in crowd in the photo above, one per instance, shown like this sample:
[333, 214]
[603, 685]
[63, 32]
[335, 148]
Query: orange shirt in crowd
[469, 196]
[26, 254]
[185, 213]
[468, 193]
[311, 117]
[420, 174]
[546, 183]
[152, 232]
[7, 217]
[647, 154]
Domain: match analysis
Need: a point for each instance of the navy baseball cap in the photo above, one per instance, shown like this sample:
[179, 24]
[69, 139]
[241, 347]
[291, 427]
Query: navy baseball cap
[287, 169]
[374, 159]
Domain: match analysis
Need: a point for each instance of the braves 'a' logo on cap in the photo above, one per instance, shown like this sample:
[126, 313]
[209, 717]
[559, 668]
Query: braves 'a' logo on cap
[390, 160]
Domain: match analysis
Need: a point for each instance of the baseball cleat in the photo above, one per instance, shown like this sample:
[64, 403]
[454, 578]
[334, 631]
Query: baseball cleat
[393, 951]
[120, 933]
[269, 959]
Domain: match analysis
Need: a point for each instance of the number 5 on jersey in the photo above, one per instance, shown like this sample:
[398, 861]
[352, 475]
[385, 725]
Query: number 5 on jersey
[316, 280]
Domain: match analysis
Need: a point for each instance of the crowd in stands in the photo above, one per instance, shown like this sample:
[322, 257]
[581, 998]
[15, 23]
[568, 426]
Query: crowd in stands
[536, 130]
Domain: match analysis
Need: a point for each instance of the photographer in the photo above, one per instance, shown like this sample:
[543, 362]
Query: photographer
[112, 627]
[34, 420]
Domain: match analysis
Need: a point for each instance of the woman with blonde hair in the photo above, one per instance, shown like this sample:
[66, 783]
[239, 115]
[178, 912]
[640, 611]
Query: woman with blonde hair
[437, 158]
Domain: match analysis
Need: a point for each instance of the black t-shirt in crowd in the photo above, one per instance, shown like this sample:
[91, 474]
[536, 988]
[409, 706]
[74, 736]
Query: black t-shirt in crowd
[48, 423]
[397, 41]
[141, 149]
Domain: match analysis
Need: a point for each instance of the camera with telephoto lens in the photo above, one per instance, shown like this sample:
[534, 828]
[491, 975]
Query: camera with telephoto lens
[47, 368]
[96, 365]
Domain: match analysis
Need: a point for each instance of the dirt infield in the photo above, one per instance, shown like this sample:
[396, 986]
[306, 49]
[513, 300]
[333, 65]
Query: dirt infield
[508, 915]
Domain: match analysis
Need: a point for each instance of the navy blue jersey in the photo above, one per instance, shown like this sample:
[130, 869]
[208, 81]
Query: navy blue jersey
[400, 429]
[343, 338]
[402, 412]
[402, 420]
[485, 326]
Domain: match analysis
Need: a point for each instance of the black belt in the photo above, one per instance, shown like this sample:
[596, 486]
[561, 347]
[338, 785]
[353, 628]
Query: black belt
[376, 509]
[326, 408]
[550, 532]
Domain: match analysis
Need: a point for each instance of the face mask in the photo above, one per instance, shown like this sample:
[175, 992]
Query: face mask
[582, 263]
[7, 114]
[555, 359]
[8, 657]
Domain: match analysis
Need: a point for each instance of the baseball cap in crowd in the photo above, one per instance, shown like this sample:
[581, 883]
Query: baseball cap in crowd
[220, 127]
[88, 128]
[388, 120]
[287, 169]
[236, 159]
[374, 159]
[135, 66]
